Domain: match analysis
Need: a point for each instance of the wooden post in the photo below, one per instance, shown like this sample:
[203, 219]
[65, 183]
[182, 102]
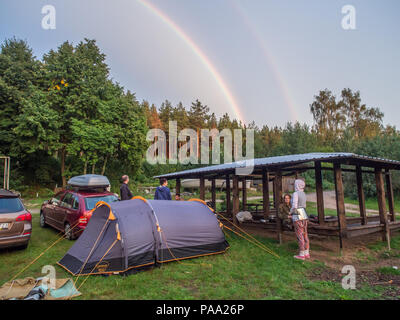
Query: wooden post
[361, 197]
[340, 208]
[228, 195]
[178, 187]
[235, 200]
[390, 195]
[5, 174]
[213, 195]
[320, 193]
[278, 200]
[202, 189]
[273, 193]
[380, 191]
[265, 186]
[244, 195]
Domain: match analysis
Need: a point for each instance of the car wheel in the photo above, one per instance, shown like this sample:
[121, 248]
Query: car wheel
[68, 232]
[23, 247]
[42, 220]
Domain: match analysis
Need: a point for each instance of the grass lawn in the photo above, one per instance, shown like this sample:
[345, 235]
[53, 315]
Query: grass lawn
[244, 272]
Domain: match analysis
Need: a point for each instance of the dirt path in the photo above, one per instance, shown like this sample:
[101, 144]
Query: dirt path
[330, 202]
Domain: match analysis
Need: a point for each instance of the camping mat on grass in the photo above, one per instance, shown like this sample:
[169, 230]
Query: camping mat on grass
[20, 288]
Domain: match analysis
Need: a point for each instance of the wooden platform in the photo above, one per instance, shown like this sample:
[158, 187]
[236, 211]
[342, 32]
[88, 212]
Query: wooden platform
[355, 227]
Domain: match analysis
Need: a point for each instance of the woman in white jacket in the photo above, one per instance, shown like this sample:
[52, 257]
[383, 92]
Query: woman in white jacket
[300, 219]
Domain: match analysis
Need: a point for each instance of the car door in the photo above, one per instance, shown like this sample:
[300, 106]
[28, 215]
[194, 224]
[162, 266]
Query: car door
[62, 210]
[71, 210]
[50, 208]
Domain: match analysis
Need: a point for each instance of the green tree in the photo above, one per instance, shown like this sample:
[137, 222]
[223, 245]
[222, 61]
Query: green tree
[180, 115]
[77, 81]
[20, 80]
[198, 115]
[165, 114]
[328, 116]
[364, 121]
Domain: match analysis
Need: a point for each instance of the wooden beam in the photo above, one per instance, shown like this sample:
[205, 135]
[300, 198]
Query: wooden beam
[319, 193]
[235, 199]
[213, 195]
[348, 170]
[297, 168]
[390, 195]
[361, 196]
[380, 191]
[244, 195]
[265, 188]
[300, 169]
[178, 187]
[202, 189]
[278, 201]
[340, 208]
[294, 169]
[273, 192]
[228, 195]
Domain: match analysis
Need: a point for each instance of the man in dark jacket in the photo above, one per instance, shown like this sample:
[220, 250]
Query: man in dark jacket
[162, 191]
[126, 194]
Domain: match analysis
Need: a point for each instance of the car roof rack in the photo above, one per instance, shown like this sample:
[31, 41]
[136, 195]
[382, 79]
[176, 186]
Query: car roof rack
[88, 182]
[87, 189]
[8, 194]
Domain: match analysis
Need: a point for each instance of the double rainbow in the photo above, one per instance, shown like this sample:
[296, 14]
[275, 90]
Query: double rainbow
[203, 58]
[213, 70]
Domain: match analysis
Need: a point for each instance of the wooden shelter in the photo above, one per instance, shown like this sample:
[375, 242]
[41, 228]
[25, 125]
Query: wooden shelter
[274, 168]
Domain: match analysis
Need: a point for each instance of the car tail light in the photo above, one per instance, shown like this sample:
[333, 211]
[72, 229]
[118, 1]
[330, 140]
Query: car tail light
[83, 221]
[24, 217]
[27, 233]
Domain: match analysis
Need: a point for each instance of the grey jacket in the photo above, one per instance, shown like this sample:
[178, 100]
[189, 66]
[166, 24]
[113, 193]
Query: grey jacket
[299, 198]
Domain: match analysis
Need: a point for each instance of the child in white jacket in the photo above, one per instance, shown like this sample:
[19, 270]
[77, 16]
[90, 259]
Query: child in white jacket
[300, 225]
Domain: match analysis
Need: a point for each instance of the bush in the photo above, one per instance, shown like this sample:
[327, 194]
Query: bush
[350, 185]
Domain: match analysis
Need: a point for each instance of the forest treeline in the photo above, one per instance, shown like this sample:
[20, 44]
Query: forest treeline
[63, 115]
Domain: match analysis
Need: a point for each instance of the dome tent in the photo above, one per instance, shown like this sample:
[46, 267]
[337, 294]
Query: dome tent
[127, 235]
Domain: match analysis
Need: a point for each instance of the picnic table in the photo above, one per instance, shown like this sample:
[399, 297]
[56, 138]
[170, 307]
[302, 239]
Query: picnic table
[256, 205]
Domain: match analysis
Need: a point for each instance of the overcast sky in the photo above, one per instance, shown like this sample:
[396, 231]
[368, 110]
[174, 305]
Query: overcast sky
[255, 59]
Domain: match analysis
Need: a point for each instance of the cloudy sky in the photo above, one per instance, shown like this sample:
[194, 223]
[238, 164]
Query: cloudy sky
[261, 60]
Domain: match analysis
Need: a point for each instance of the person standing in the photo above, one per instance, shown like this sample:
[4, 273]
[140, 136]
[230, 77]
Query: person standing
[126, 194]
[300, 219]
[162, 191]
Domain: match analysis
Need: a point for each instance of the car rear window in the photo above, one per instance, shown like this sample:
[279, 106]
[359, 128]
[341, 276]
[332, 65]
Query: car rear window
[10, 205]
[90, 202]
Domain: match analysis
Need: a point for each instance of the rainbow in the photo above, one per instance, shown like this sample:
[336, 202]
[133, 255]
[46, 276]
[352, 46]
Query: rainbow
[203, 58]
[270, 60]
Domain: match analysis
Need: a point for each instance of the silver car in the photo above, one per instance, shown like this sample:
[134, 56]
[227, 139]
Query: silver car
[15, 221]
